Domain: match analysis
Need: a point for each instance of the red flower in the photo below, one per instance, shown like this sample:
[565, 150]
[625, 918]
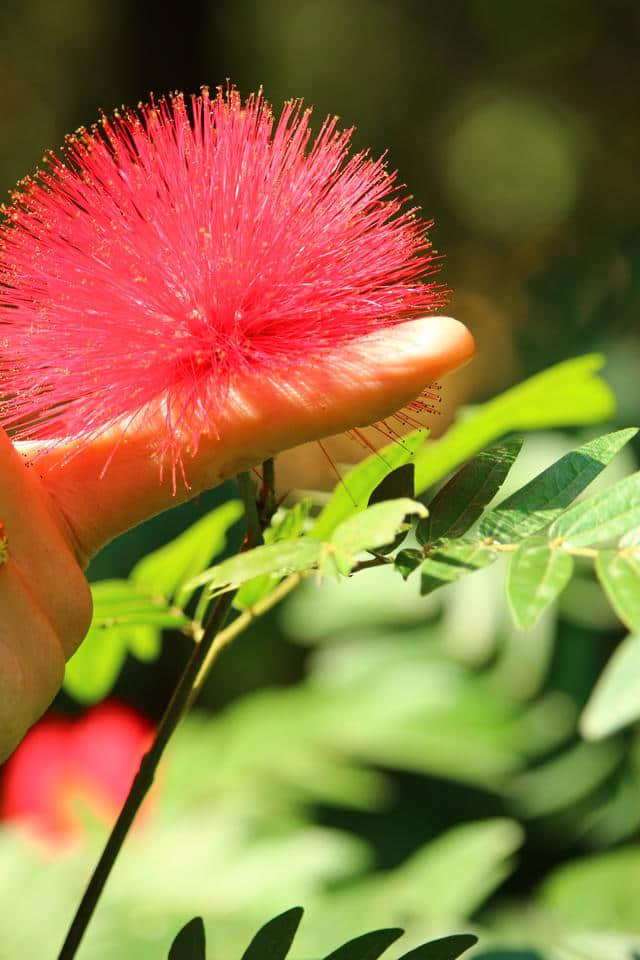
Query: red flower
[63, 766]
[175, 246]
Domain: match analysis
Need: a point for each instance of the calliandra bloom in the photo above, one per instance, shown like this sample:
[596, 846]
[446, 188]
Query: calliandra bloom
[64, 769]
[179, 245]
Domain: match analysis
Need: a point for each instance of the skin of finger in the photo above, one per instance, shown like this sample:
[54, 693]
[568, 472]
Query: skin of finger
[362, 384]
[31, 659]
[41, 550]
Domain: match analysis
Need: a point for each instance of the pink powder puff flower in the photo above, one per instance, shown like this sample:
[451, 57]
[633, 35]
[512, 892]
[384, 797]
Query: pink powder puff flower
[177, 246]
[63, 766]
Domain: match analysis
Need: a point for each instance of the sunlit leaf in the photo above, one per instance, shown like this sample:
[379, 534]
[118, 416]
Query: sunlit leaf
[446, 948]
[631, 538]
[143, 641]
[287, 524]
[544, 498]
[452, 560]
[537, 574]
[369, 946]
[353, 492]
[273, 940]
[604, 516]
[615, 701]
[190, 943]
[165, 571]
[374, 527]
[278, 559]
[458, 505]
[122, 602]
[95, 666]
[567, 394]
[619, 574]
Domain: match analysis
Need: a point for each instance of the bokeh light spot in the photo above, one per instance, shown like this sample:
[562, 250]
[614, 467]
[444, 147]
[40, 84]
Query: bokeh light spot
[512, 166]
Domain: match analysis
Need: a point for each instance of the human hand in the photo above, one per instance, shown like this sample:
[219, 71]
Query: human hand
[57, 512]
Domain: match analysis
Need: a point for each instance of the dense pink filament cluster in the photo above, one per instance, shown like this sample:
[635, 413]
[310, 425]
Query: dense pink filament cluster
[175, 247]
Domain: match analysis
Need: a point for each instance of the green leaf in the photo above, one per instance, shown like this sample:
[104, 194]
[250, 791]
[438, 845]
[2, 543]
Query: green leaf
[190, 942]
[165, 571]
[452, 560]
[126, 619]
[95, 666]
[619, 574]
[272, 942]
[458, 505]
[447, 948]
[602, 517]
[123, 603]
[631, 538]
[286, 525]
[567, 394]
[537, 574]
[369, 946]
[374, 527]
[544, 498]
[406, 561]
[352, 494]
[279, 559]
[615, 701]
[398, 483]
[142, 640]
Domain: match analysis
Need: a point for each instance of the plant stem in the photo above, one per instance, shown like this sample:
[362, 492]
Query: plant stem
[201, 659]
[247, 492]
[243, 621]
[267, 500]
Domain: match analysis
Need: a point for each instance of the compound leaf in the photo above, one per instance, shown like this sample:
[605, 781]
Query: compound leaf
[544, 498]
[453, 560]
[602, 517]
[458, 505]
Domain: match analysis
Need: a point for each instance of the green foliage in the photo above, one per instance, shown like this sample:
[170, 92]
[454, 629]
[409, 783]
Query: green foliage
[127, 619]
[352, 494]
[608, 514]
[459, 533]
[567, 394]
[167, 570]
[544, 498]
[367, 530]
[274, 939]
[285, 525]
[458, 505]
[410, 698]
[452, 560]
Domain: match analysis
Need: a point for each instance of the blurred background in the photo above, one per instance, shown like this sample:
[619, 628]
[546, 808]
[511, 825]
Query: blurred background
[379, 758]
